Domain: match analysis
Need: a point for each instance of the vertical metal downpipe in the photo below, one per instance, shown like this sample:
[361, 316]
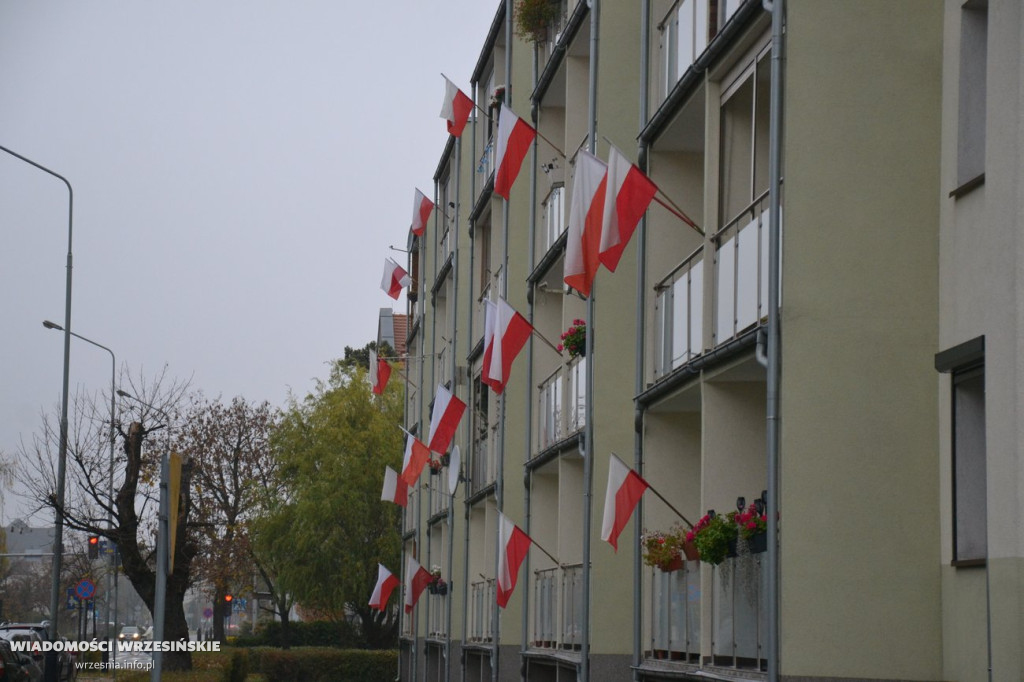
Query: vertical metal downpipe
[588, 461]
[641, 322]
[774, 337]
[450, 520]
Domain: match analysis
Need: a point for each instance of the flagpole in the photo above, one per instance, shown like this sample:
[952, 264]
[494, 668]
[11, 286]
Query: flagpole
[676, 211]
[662, 498]
[545, 340]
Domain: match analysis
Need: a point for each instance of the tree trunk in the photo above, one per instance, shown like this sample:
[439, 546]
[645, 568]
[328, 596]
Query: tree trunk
[220, 612]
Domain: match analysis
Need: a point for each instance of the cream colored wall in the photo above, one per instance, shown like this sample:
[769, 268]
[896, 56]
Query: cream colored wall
[672, 464]
[860, 564]
[734, 443]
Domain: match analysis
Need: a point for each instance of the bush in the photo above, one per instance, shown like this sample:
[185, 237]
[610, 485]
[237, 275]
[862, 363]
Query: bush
[238, 669]
[319, 664]
[320, 633]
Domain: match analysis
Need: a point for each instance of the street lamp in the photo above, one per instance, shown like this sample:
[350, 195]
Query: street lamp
[62, 453]
[110, 477]
[162, 545]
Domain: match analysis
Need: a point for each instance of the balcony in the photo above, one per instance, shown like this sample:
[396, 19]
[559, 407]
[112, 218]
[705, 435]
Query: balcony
[483, 467]
[561, 403]
[558, 607]
[741, 272]
[438, 607]
[439, 495]
[444, 247]
[678, 315]
[444, 364]
[485, 166]
[482, 602]
[739, 613]
[554, 216]
[675, 614]
[685, 32]
[554, 33]
[409, 520]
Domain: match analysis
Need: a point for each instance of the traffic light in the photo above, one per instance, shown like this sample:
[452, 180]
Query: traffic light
[94, 547]
[227, 599]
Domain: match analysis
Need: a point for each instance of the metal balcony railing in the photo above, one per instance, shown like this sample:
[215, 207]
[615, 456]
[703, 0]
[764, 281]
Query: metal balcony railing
[675, 614]
[482, 602]
[558, 607]
[739, 613]
[685, 32]
[484, 468]
[439, 496]
[679, 315]
[438, 625]
[741, 271]
[485, 166]
[409, 520]
[561, 403]
[554, 216]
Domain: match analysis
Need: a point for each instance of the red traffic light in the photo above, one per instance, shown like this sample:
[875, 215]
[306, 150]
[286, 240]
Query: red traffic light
[94, 547]
[93, 540]
[227, 598]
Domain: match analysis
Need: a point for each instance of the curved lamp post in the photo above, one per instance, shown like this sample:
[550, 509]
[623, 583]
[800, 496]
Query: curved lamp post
[110, 474]
[62, 453]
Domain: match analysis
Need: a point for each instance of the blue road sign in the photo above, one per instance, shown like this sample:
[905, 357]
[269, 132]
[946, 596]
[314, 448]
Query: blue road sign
[72, 603]
[85, 589]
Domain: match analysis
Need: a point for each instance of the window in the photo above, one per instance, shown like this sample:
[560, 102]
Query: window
[966, 365]
[744, 139]
[971, 120]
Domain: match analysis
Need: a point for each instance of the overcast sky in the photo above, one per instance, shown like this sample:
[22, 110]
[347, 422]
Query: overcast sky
[239, 169]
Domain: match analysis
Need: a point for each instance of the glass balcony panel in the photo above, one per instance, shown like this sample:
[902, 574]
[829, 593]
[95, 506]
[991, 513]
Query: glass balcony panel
[545, 623]
[662, 332]
[684, 30]
[438, 615]
[577, 398]
[486, 164]
[675, 613]
[483, 601]
[409, 519]
[747, 266]
[549, 412]
[572, 606]
[739, 613]
[554, 216]
[725, 282]
[696, 309]
[740, 272]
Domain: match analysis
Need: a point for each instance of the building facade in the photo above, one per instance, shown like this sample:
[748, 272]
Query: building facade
[899, 488]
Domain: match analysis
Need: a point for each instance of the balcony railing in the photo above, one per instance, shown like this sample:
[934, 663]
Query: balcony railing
[685, 32]
[439, 496]
[675, 614]
[558, 607]
[444, 366]
[482, 602]
[679, 314]
[484, 468]
[485, 166]
[739, 614]
[555, 29]
[741, 271]
[445, 247]
[409, 520]
[438, 625]
[554, 216]
[561, 403]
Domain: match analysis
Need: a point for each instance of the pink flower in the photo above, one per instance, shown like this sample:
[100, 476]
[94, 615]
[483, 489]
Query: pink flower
[751, 525]
[572, 330]
[689, 536]
[559, 347]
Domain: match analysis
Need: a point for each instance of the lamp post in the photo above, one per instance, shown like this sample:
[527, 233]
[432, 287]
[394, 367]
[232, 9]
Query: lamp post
[110, 473]
[162, 545]
[62, 453]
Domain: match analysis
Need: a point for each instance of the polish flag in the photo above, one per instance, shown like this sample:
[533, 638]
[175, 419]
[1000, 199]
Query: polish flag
[421, 208]
[490, 317]
[395, 279]
[416, 457]
[584, 241]
[514, 139]
[456, 108]
[513, 544]
[395, 489]
[380, 372]
[416, 580]
[386, 584]
[444, 419]
[625, 487]
[628, 195]
[511, 332]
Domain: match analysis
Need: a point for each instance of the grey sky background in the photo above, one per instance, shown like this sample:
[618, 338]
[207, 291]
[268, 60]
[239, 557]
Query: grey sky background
[239, 169]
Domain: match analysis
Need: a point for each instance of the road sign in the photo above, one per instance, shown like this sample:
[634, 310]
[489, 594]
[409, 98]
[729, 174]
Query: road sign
[72, 602]
[85, 589]
[207, 612]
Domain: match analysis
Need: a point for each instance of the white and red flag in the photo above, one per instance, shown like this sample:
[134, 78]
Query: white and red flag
[456, 108]
[583, 244]
[386, 584]
[625, 488]
[416, 457]
[380, 372]
[421, 208]
[416, 580]
[513, 544]
[395, 278]
[514, 139]
[627, 197]
[511, 332]
[490, 318]
[395, 489]
[444, 419]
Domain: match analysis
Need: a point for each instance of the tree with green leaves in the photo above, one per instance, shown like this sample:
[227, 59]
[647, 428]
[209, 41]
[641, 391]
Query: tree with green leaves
[330, 528]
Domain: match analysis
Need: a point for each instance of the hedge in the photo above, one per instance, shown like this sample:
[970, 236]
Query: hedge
[304, 633]
[322, 664]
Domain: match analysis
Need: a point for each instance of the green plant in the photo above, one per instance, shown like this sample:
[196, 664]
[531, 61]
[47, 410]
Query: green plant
[238, 669]
[661, 548]
[574, 339]
[712, 535]
[534, 16]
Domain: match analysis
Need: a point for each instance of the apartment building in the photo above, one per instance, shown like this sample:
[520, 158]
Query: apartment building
[899, 553]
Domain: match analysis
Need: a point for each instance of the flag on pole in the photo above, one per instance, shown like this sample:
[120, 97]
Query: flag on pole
[627, 197]
[490, 318]
[416, 457]
[444, 419]
[583, 243]
[456, 108]
[386, 584]
[513, 544]
[380, 372]
[416, 580]
[511, 332]
[514, 139]
[395, 489]
[625, 488]
[395, 278]
[421, 208]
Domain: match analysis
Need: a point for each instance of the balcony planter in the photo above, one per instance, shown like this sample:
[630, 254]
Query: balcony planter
[533, 17]
[671, 565]
[664, 549]
[690, 551]
[574, 339]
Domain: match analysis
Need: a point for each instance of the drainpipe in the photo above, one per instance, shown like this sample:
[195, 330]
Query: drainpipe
[499, 484]
[469, 323]
[455, 331]
[641, 323]
[531, 263]
[777, 8]
[588, 440]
